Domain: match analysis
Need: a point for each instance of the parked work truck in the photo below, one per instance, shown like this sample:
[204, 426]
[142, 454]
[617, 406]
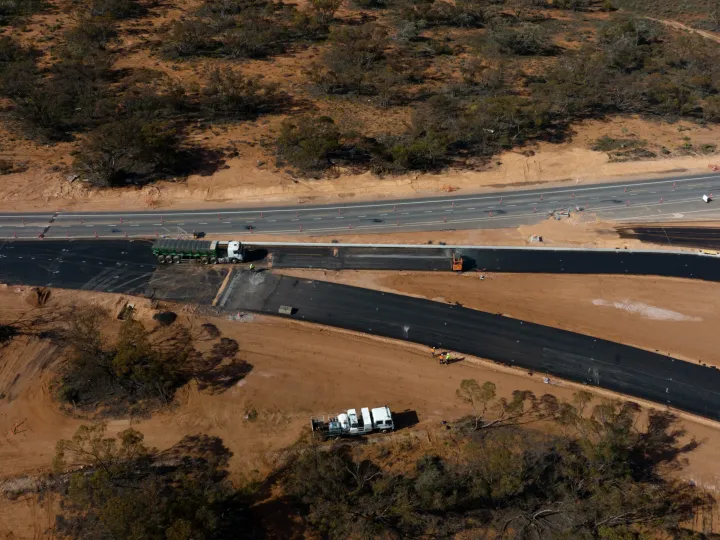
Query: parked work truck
[200, 251]
[349, 423]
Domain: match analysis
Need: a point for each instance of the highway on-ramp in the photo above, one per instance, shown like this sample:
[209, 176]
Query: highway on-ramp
[571, 356]
[128, 267]
[631, 201]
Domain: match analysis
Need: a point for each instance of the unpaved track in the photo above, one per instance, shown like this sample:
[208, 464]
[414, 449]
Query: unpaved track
[680, 26]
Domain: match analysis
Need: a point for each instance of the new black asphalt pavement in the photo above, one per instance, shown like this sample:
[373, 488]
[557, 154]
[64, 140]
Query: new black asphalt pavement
[129, 267]
[699, 237]
[499, 259]
[568, 355]
[106, 266]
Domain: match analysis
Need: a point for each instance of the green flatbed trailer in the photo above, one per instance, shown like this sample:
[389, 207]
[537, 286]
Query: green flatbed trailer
[200, 251]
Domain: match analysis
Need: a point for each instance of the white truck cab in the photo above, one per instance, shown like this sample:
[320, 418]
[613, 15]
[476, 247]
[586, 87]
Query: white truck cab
[235, 251]
[382, 419]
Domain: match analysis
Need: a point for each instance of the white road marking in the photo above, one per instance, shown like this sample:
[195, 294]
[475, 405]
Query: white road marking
[576, 190]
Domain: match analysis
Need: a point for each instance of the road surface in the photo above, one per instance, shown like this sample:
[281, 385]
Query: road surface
[651, 200]
[127, 266]
[497, 259]
[699, 237]
[568, 355]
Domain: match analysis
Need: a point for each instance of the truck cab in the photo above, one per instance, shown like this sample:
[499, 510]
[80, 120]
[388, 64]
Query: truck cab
[235, 250]
[382, 419]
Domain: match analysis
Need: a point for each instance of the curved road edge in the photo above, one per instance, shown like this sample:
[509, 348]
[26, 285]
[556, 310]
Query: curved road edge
[567, 355]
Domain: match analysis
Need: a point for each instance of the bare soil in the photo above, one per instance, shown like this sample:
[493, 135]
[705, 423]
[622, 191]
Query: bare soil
[250, 180]
[298, 370]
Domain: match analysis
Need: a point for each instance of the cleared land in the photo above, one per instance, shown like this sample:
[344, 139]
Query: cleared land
[297, 370]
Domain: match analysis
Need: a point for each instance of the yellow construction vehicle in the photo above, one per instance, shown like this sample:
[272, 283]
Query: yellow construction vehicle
[457, 263]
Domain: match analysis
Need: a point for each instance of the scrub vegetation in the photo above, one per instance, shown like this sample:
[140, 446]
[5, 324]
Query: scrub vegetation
[407, 85]
[589, 473]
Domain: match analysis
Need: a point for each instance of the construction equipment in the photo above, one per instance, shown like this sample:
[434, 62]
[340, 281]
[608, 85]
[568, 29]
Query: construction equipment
[199, 251]
[446, 357]
[457, 263]
[350, 424]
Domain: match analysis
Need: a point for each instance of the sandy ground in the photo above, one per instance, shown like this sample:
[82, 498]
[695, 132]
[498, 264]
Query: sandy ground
[672, 316]
[242, 182]
[298, 370]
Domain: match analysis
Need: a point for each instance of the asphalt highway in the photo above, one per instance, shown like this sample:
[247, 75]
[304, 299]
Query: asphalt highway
[700, 237]
[650, 200]
[498, 259]
[568, 355]
[119, 266]
[127, 266]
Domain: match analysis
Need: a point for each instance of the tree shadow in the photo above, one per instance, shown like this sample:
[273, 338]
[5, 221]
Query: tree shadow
[199, 448]
[405, 419]
[200, 161]
[219, 369]
[224, 376]
[660, 445]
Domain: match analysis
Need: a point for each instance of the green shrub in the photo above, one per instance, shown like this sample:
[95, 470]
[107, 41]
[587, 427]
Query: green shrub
[308, 142]
[608, 144]
[228, 95]
[128, 148]
[13, 10]
[525, 39]
[711, 108]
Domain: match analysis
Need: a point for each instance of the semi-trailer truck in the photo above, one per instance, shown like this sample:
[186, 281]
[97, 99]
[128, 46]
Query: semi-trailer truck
[200, 251]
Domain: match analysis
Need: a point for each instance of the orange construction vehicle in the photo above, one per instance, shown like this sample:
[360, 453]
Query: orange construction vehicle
[457, 263]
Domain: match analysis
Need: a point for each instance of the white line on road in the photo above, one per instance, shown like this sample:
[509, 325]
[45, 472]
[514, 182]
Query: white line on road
[506, 195]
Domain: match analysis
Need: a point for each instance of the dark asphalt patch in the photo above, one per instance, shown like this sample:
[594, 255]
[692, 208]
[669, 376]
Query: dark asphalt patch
[571, 356]
[105, 266]
[544, 260]
[187, 283]
[699, 237]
